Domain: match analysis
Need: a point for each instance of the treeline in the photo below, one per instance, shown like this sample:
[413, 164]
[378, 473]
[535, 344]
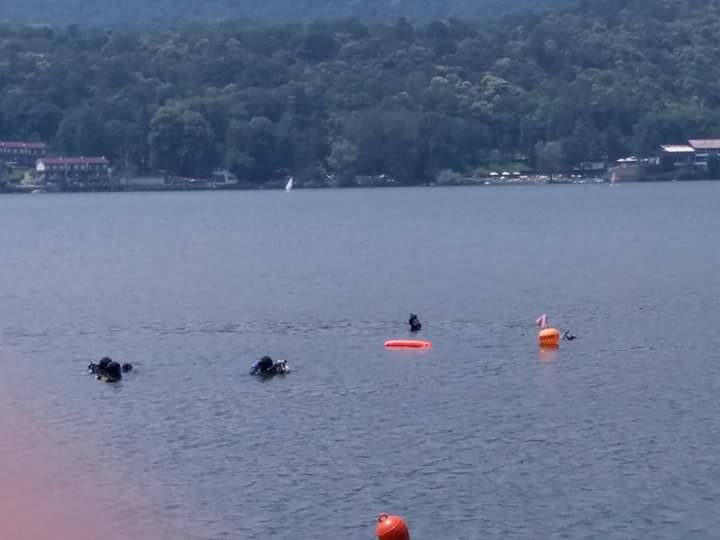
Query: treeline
[343, 99]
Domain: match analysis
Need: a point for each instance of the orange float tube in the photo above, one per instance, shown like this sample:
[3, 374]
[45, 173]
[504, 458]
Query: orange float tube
[407, 344]
[392, 528]
[549, 338]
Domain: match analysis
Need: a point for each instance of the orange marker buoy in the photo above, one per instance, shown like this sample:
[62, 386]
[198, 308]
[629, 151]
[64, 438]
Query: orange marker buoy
[408, 344]
[392, 528]
[549, 338]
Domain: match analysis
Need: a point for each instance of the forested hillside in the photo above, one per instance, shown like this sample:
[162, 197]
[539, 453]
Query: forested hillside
[603, 79]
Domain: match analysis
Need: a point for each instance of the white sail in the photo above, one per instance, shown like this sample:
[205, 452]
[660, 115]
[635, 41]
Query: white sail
[289, 184]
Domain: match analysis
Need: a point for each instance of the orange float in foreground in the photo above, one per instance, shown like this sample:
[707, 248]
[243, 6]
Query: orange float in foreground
[549, 338]
[392, 528]
[407, 344]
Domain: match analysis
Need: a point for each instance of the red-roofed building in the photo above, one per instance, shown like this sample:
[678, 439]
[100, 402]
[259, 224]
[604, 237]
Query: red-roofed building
[22, 153]
[73, 169]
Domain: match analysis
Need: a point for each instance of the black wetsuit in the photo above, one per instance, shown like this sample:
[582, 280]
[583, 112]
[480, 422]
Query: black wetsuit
[265, 365]
[111, 372]
[414, 322]
[100, 367]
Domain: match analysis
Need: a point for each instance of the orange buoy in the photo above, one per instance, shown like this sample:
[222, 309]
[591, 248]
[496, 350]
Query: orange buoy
[408, 344]
[549, 338]
[392, 528]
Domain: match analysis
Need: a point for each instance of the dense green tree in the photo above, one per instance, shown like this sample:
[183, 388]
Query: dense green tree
[181, 141]
[550, 157]
[319, 46]
[43, 120]
[343, 156]
[80, 133]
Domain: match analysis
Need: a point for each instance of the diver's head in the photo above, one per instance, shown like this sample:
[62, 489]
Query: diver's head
[114, 371]
[104, 362]
[127, 367]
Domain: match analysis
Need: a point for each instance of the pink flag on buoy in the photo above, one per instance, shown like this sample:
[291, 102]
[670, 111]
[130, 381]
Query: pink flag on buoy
[541, 321]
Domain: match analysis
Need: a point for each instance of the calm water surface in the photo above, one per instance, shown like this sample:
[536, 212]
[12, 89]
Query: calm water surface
[613, 437]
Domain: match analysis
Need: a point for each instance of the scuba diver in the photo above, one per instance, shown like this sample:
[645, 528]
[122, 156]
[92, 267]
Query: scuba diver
[267, 367]
[415, 324]
[108, 370]
[567, 336]
[113, 373]
[264, 365]
[100, 367]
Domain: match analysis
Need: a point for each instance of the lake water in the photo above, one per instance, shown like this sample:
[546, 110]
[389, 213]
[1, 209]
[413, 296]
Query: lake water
[614, 436]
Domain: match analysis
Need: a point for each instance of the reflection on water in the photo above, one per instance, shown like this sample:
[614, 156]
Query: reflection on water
[547, 356]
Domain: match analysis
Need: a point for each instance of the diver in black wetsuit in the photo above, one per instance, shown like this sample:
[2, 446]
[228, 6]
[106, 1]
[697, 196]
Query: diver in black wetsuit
[109, 370]
[567, 336]
[113, 373]
[415, 324]
[264, 365]
[100, 367]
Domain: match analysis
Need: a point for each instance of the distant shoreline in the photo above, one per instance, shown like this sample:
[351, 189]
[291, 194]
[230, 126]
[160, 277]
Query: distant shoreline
[33, 190]
[176, 189]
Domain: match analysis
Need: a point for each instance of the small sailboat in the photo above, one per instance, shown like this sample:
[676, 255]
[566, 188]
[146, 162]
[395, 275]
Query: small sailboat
[289, 185]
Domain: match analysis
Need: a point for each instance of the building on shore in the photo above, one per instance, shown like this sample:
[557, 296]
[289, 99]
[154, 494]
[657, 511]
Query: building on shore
[223, 177]
[23, 154]
[634, 169]
[677, 156]
[699, 159]
[74, 172]
[704, 148]
[591, 168]
[695, 153]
